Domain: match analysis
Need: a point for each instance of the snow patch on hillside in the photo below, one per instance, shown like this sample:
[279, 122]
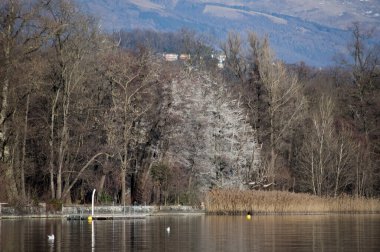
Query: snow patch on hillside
[146, 5]
[332, 13]
[236, 14]
[223, 12]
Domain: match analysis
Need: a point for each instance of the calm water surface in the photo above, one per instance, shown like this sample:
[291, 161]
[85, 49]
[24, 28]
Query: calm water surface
[196, 233]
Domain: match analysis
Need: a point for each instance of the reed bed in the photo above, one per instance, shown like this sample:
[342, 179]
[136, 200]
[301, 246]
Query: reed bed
[228, 201]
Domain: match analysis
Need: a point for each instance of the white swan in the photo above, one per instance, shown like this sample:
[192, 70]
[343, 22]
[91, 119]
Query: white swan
[51, 237]
[168, 229]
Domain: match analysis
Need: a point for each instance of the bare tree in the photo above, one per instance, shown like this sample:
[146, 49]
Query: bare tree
[344, 151]
[327, 153]
[282, 94]
[361, 104]
[364, 70]
[317, 148]
[74, 42]
[131, 78]
[273, 98]
[20, 34]
[233, 48]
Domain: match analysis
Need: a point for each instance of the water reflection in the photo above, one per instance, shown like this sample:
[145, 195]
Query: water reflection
[196, 233]
[92, 236]
[51, 245]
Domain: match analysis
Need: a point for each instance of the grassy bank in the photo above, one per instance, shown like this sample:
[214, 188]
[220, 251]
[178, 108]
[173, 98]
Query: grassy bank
[237, 202]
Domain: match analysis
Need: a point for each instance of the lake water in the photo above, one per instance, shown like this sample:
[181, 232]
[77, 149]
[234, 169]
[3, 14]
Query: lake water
[196, 233]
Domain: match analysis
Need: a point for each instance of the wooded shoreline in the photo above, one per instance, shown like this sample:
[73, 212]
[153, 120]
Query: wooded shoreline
[219, 202]
[84, 109]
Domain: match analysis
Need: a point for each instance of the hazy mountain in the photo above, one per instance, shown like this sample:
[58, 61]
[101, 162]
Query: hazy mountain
[300, 30]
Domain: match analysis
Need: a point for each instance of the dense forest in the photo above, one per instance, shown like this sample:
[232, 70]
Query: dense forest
[83, 109]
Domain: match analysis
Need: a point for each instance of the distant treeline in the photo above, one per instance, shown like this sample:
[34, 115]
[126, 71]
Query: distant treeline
[183, 41]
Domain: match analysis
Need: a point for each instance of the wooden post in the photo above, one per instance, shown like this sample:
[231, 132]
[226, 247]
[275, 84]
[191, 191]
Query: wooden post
[93, 197]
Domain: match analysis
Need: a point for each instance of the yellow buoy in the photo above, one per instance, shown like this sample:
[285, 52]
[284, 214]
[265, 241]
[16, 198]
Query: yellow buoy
[249, 215]
[89, 219]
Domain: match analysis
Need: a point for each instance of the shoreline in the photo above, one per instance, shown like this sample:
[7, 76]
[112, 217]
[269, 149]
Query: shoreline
[168, 213]
[82, 212]
[217, 202]
[229, 201]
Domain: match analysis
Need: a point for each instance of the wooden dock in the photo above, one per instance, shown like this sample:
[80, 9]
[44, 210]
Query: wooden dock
[107, 217]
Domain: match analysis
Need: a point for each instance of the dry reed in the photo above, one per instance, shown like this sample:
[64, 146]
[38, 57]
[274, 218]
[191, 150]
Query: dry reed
[237, 201]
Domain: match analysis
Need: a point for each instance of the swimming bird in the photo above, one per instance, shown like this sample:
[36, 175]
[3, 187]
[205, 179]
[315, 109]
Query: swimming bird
[51, 237]
[168, 229]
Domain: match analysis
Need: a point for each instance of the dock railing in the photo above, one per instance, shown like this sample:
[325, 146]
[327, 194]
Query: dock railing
[1, 203]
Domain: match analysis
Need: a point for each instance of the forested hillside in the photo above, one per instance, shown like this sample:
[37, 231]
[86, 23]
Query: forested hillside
[300, 30]
[81, 109]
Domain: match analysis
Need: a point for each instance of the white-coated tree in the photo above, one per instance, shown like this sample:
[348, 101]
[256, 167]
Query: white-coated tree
[210, 138]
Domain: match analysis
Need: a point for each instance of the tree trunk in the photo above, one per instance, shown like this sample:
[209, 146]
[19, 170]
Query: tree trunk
[52, 146]
[4, 151]
[272, 165]
[66, 196]
[4, 147]
[338, 170]
[5, 91]
[321, 168]
[22, 165]
[123, 174]
[12, 191]
[64, 142]
[272, 149]
[313, 174]
[11, 184]
[101, 184]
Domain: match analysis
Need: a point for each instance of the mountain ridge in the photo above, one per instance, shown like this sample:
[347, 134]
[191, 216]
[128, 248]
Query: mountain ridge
[293, 37]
